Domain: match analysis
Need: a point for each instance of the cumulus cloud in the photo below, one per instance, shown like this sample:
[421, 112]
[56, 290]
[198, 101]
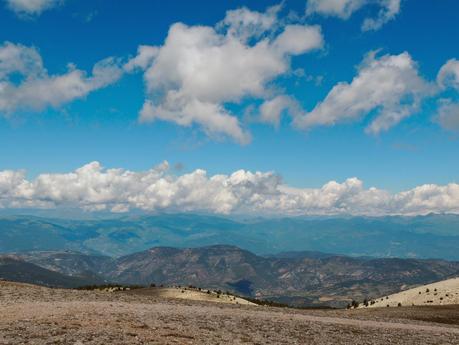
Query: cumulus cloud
[31, 7]
[36, 89]
[389, 86]
[343, 9]
[245, 24]
[271, 110]
[389, 9]
[448, 76]
[94, 188]
[144, 58]
[448, 115]
[199, 70]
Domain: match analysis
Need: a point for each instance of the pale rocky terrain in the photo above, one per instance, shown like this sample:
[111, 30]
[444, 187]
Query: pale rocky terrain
[192, 294]
[444, 292]
[38, 315]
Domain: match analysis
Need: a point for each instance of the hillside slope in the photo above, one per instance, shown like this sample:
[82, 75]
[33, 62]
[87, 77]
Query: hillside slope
[443, 292]
[304, 279]
[20, 271]
[332, 280]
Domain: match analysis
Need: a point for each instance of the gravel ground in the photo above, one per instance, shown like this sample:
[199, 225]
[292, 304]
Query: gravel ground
[35, 315]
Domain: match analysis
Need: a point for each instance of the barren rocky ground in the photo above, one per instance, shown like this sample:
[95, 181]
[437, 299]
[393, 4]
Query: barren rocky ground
[36, 315]
[444, 292]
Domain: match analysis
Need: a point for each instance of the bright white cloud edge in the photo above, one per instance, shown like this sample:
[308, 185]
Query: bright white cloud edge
[93, 188]
[31, 7]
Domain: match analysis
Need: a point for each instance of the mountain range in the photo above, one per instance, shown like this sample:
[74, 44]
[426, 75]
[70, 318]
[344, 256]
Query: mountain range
[17, 270]
[304, 279]
[430, 236]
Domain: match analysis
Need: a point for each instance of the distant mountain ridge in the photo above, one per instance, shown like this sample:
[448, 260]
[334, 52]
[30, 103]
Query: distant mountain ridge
[431, 236]
[300, 280]
[18, 270]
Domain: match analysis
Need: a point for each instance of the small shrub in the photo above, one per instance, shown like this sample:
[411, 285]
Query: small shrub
[399, 304]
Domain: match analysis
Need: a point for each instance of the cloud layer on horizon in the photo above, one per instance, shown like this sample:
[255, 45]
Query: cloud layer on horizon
[93, 188]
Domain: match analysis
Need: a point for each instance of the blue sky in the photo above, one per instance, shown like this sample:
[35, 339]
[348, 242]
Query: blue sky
[103, 124]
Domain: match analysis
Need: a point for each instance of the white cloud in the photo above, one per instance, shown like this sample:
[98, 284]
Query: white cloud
[337, 8]
[448, 76]
[213, 118]
[246, 24]
[94, 188]
[36, 89]
[343, 9]
[31, 7]
[298, 39]
[144, 58]
[271, 110]
[448, 115]
[390, 8]
[198, 70]
[16, 58]
[390, 86]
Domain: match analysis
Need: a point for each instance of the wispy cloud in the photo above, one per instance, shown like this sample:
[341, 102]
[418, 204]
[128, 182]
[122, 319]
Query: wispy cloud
[36, 89]
[31, 7]
[388, 10]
